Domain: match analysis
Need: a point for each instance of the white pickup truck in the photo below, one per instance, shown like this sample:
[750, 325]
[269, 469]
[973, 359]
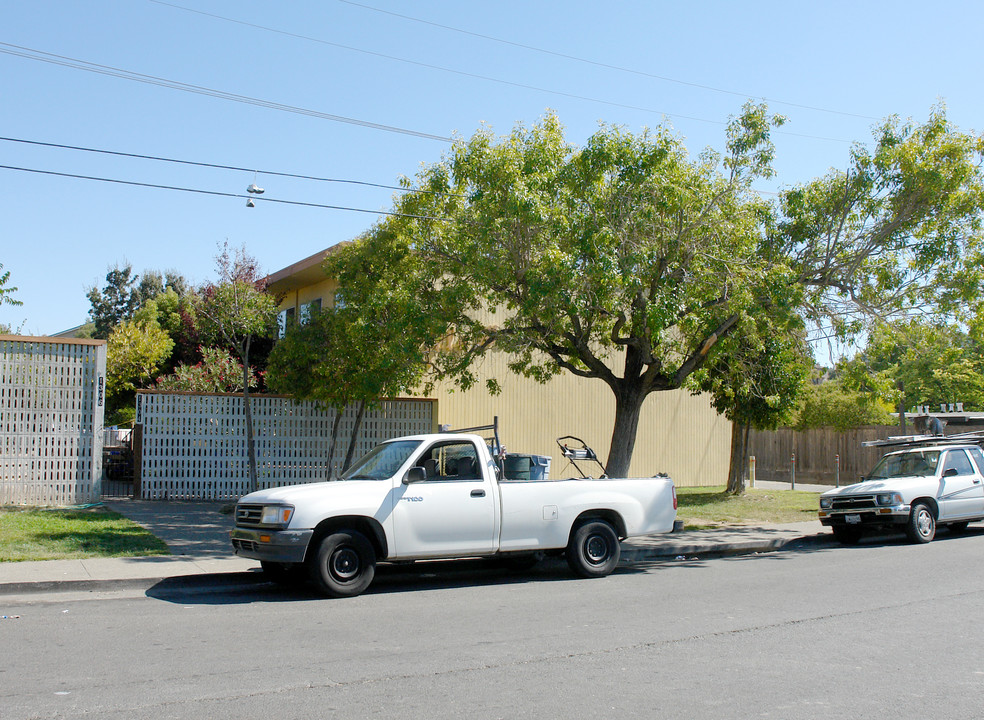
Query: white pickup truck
[929, 481]
[440, 496]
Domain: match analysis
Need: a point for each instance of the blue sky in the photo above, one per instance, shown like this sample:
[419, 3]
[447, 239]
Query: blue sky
[429, 68]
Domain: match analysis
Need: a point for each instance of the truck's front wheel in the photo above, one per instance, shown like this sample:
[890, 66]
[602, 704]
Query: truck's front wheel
[344, 564]
[593, 550]
[921, 527]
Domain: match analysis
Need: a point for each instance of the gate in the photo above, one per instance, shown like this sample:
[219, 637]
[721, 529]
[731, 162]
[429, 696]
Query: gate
[52, 393]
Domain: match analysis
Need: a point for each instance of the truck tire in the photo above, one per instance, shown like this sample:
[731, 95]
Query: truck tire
[344, 564]
[593, 550]
[921, 527]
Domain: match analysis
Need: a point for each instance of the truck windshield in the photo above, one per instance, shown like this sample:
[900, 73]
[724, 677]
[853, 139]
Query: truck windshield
[382, 462]
[909, 464]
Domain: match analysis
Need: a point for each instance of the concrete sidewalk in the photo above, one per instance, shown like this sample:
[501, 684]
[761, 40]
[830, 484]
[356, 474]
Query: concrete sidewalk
[197, 534]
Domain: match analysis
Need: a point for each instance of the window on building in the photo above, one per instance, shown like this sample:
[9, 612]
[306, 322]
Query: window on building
[285, 318]
[307, 309]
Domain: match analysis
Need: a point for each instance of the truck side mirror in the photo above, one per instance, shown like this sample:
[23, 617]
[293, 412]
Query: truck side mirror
[415, 474]
[950, 472]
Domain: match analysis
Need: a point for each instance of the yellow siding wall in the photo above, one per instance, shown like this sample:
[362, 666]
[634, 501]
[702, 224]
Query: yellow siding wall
[679, 434]
[324, 290]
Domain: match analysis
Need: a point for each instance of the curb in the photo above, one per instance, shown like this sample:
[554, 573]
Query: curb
[631, 553]
[225, 581]
[719, 549]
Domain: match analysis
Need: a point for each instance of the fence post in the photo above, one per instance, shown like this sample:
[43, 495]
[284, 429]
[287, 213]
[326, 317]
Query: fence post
[751, 471]
[837, 470]
[792, 473]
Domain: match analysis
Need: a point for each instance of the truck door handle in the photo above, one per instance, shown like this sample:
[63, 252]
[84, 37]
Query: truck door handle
[478, 493]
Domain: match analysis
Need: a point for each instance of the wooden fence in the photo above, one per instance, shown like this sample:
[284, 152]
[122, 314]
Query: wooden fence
[194, 446]
[51, 420]
[822, 457]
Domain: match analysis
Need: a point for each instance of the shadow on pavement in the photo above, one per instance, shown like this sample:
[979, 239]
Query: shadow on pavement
[253, 587]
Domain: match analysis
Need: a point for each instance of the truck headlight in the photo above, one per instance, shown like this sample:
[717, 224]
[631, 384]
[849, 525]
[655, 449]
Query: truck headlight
[276, 515]
[826, 503]
[885, 499]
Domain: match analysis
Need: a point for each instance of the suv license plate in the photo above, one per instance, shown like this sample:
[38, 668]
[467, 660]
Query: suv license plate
[852, 519]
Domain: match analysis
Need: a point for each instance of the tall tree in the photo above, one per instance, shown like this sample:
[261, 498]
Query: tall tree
[116, 302]
[373, 343]
[754, 379]
[626, 261]
[236, 311]
[125, 292]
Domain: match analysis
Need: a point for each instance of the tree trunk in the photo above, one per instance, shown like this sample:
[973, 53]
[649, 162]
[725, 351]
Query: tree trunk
[250, 443]
[355, 435]
[628, 408]
[901, 387]
[739, 458]
[333, 441]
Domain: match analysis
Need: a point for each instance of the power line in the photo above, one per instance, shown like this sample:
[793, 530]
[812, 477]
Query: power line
[435, 67]
[593, 62]
[222, 167]
[501, 81]
[77, 64]
[216, 193]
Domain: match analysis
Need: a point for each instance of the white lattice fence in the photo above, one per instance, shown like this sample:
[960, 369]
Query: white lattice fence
[51, 420]
[194, 446]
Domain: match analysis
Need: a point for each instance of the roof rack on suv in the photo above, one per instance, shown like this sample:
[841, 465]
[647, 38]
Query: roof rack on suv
[976, 437]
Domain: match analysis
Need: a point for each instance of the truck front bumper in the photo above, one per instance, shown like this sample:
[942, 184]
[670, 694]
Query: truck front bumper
[284, 546]
[894, 515]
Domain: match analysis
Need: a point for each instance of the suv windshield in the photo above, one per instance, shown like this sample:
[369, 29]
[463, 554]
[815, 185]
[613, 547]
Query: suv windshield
[382, 462]
[909, 464]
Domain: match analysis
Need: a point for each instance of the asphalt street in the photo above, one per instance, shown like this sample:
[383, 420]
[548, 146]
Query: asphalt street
[885, 629]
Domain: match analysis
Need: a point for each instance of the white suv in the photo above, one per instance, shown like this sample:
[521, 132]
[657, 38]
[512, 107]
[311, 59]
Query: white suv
[931, 481]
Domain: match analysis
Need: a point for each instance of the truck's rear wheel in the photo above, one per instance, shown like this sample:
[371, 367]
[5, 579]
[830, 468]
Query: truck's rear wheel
[344, 564]
[593, 550]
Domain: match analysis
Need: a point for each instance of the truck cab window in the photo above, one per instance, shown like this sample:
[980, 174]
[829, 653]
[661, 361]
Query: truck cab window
[451, 461]
[958, 460]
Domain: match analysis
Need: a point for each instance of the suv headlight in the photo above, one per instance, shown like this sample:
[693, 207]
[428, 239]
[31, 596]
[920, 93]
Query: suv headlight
[276, 515]
[886, 499]
[826, 503]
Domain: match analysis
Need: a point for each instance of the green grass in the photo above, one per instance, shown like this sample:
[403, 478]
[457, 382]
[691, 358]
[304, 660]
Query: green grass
[705, 507]
[55, 534]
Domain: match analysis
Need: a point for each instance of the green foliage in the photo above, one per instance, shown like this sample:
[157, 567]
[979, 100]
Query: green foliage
[116, 302]
[830, 404]
[919, 362]
[6, 297]
[134, 353]
[218, 372]
[624, 261]
[885, 234]
[757, 376]
[163, 299]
